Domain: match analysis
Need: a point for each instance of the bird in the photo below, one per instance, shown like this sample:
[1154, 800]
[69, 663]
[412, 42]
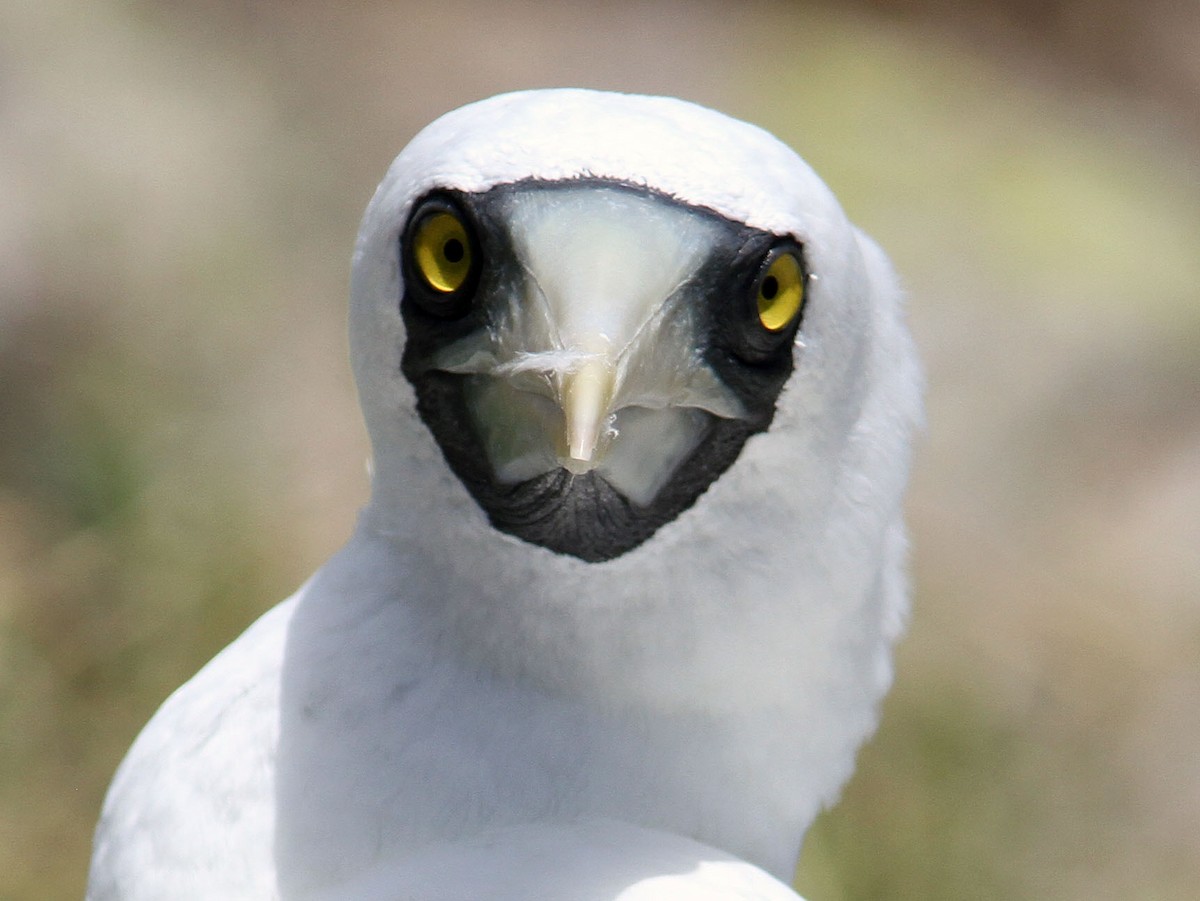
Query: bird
[622, 605]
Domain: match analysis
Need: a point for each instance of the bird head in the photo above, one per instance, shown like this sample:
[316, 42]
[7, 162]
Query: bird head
[593, 302]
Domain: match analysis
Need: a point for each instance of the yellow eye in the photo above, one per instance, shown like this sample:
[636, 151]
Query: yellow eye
[441, 251]
[781, 293]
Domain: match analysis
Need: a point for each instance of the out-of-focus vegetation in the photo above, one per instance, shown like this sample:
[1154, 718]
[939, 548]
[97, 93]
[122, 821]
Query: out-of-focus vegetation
[179, 442]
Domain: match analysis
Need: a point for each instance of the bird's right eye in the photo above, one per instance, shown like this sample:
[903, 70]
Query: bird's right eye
[443, 258]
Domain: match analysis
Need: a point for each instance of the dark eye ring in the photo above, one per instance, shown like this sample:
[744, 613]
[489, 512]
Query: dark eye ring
[780, 289]
[442, 257]
[771, 300]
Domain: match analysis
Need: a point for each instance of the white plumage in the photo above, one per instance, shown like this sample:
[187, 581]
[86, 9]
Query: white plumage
[445, 698]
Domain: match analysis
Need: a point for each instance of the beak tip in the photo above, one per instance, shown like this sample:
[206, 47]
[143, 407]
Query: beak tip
[585, 399]
[581, 450]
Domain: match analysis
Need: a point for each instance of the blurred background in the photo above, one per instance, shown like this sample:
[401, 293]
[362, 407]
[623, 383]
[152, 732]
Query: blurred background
[180, 185]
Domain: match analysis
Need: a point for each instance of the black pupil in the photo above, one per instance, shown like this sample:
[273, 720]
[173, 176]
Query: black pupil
[770, 287]
[453, 250]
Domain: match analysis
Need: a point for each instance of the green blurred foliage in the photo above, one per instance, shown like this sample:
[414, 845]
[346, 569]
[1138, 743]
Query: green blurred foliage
[179, 444]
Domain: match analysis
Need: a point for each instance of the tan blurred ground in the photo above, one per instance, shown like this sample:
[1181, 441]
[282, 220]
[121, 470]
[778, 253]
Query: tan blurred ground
[179, 444]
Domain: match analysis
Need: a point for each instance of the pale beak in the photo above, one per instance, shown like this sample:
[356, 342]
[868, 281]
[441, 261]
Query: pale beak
[586, 391]
[585, 396]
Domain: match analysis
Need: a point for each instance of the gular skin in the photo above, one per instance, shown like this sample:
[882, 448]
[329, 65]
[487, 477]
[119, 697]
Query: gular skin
[438, 681]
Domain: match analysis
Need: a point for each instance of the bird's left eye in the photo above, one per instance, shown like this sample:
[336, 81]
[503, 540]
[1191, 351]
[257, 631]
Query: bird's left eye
[780, 291]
